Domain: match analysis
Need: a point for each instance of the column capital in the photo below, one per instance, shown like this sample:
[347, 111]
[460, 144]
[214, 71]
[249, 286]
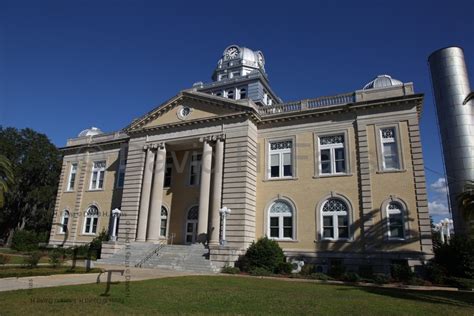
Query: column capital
[154, 146]
[212, 138]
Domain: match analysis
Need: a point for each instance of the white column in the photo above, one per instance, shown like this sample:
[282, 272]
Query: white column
[217, 192]
[203, 218]
[145, 197]
[154, 223]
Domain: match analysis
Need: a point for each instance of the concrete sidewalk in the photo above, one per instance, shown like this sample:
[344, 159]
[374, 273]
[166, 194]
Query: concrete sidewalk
[136, 274]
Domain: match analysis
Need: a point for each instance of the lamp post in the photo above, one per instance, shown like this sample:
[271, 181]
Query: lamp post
[224, 213]
[115, 214]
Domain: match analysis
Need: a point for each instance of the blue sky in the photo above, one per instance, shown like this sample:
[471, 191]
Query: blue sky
[68, 65]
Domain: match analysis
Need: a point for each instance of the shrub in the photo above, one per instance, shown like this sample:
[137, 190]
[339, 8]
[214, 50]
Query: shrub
[56, 258]
[320, 276]
[366, 271]
[95, 247]
[230, 270]
[4, 259]
[265, 254]
[350, 277]
[32, 259]
[380, 278]
[401, 272]
[418, 281]
[337, 269]
[457, 257]
[258, 271]
[284, 268]
[435, 273]
[25, 240]
[308, 269]
[461, 283]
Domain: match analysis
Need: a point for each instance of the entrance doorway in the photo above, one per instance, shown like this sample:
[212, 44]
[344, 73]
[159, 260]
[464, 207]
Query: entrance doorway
[191, 225]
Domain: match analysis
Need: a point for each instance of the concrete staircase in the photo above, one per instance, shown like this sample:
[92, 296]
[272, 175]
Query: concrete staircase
[193, 258]
[134, 254]
[182, 258]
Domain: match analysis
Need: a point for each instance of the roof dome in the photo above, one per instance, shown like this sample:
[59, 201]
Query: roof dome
[244, 55]
[90, 132]
[382, 81]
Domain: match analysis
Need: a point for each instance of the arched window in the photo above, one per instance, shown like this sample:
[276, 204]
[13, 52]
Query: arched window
[64, 221]
[395, 222]
[335, 219]
[280, 222]
[193, 212]
[92, 218]
[230, 94]
[164, 221]
[243, 93]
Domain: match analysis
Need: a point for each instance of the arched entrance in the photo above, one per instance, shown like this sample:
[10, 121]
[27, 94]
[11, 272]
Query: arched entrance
[191, 225]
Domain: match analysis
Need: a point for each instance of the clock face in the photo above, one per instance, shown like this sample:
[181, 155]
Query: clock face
[232, 52]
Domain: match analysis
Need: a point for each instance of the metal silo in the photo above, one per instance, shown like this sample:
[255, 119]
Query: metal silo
[456, 121]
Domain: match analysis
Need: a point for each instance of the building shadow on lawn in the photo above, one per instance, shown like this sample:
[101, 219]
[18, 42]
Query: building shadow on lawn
[462, 299]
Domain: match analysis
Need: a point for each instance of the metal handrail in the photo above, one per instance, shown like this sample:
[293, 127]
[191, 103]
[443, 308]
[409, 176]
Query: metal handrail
[155, 250]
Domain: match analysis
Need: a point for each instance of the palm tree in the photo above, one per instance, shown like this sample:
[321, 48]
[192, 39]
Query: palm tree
[466, 205]
[6, 178]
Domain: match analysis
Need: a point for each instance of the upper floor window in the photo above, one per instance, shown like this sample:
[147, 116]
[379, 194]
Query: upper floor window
[98, 173]
[72, 177]
[390, 157]
[195, 169]
[219, 94]
[280, 159]
[169, 169]
[235, 74]
[280, 223]
[243, 93]
[64, 222]
[121, 173]
[92, 218]
[395, 222]
[332, 154]
[230, 94]
[335, 219]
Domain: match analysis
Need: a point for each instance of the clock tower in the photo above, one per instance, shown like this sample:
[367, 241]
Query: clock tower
[240, 74]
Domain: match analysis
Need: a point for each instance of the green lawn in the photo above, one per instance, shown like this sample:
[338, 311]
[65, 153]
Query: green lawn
[234, 295]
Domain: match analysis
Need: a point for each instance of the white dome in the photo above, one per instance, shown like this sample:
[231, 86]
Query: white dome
[90, 132]
[382, 81]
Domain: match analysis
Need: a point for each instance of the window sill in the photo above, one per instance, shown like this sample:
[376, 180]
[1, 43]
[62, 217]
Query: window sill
[396, 240]
[89, 234]
[332, 175]
[284, 240]
[334, 240]
[94, 190]
[391, 171]
[280, 179]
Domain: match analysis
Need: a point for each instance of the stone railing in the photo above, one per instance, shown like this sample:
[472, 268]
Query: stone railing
[302, 105]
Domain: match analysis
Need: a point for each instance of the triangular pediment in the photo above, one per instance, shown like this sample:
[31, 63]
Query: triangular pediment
[190, 107]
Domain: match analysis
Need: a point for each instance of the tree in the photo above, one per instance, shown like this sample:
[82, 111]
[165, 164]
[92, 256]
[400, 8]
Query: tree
[35, 164]
[6, 178]
[466, 205]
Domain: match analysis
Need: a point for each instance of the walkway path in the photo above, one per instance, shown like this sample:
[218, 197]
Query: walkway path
[136, 274]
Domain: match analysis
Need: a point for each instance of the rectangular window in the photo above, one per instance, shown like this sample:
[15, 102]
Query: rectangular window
[169, 169]
[274, 227]
[281, 159]
[343, 226]
[195, 169]
[121, 173]
[395, 224]
[390, 158]
[163, 227]
[98, 173]
[332, 154]
[328, 227]
[72, 177]
[287, 227]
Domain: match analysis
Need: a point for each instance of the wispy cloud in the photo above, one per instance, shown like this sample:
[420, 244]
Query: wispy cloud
[438, 208]
[439, 186]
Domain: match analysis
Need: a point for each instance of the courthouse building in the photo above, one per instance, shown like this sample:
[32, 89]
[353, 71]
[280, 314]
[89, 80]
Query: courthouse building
[331, 179]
